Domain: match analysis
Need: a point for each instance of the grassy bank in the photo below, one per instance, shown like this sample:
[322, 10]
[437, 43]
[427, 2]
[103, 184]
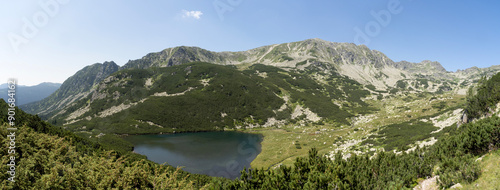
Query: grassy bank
[284, 145]
[490, 172]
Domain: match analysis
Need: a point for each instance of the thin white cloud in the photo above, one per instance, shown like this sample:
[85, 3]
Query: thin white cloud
[191, 14]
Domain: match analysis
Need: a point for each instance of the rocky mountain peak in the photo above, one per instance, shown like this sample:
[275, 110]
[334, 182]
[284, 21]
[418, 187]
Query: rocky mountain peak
[434, 64]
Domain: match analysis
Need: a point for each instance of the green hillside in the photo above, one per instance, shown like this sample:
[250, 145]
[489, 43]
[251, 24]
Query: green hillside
[206, 97]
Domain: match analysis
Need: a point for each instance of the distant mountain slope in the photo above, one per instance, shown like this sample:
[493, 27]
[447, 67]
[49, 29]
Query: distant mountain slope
[28, 94]
[73, 88]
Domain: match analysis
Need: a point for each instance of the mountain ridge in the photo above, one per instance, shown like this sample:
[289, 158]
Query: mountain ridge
[350, 59]
[132, 63]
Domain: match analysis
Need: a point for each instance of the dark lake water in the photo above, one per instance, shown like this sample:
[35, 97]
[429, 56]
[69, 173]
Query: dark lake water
[221, 154]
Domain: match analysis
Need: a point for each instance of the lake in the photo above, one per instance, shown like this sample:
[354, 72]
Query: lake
[221, 154]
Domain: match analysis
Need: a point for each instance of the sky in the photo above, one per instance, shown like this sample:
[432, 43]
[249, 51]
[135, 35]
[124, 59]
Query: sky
[50, 40]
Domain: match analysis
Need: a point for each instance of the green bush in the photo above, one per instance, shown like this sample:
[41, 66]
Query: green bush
[401, 135]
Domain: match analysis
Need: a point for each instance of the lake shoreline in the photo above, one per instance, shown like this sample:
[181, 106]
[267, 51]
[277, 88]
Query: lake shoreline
[179, 132]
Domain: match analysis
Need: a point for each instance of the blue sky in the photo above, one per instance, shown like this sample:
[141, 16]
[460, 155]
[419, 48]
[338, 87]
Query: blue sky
[68, 35]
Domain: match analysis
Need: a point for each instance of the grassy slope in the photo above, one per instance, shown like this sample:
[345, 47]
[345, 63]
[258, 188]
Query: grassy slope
[280, 145]
[405, 119]
[490, 169]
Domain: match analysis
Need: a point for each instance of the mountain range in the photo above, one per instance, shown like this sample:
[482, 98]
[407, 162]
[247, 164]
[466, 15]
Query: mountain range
[356, 62]
[29, 94]
[185, 89]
